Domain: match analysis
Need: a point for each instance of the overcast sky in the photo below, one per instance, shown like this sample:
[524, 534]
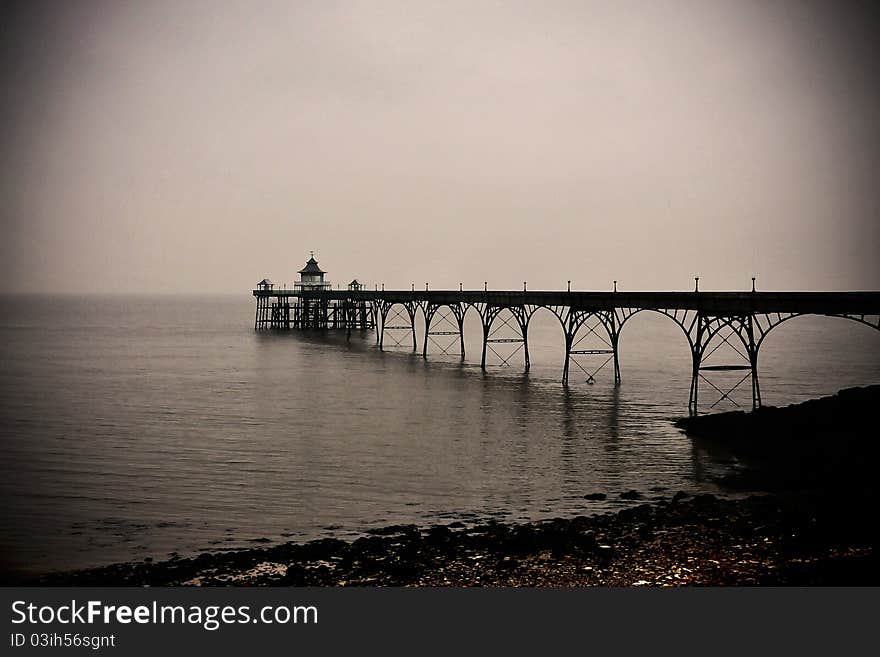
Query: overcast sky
[180, 146]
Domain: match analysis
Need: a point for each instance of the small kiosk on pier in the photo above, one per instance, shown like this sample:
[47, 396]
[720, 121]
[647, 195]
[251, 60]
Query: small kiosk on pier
[308, 306]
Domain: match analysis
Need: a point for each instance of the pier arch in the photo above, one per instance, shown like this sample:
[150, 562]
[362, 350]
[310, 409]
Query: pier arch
[655, 336]
[684, 320]
[504, 325]
[768, 322]
[546, 334]
[714, 336]
[591, 337]
[817, 355]
[443, 327]
[398, 320]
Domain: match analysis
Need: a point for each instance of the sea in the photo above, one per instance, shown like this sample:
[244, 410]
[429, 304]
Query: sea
[149, 427]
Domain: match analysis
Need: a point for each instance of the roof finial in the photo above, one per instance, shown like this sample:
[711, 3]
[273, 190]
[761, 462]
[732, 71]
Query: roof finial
[312, 254]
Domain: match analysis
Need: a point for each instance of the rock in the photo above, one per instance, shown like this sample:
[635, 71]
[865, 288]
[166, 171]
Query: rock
[393, 530]
[438, 535]
[368, 546]
[631, 495]
[402, 569]
[295, 575]
[595, 496]
[523, 540]
[705, 500]
[507, 563]
[605, 553]
[326, 547]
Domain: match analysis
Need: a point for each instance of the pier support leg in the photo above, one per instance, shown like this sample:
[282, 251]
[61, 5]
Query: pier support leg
[697, 357]
[614, 343]
[568, 340]
[695, 379]
[460, 320]
[411, 311]
[753, 362]
[485, 344]
[756, 386]
[429, 315]
[614, 336]
[261, 319]
[375, 318]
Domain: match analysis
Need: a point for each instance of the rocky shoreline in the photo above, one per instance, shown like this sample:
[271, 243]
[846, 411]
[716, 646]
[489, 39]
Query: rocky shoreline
[820, 444]
[816, 528]
[703, 540]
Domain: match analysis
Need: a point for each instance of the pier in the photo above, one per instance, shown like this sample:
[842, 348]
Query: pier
[709, 320]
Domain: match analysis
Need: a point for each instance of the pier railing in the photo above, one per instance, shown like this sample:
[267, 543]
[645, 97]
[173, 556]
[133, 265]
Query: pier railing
[830, 303]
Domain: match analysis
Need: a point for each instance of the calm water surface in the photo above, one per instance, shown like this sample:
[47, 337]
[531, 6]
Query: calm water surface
[141, 427]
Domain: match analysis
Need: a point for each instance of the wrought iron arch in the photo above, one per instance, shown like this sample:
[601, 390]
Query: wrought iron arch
[701, 330]
[555, 311]
[521, 314]
[457, 310]
[384, 309]
[781, 318]
[681, 319]
[714, 324]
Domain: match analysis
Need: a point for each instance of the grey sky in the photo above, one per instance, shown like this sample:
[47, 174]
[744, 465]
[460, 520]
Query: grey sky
[181, 146]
